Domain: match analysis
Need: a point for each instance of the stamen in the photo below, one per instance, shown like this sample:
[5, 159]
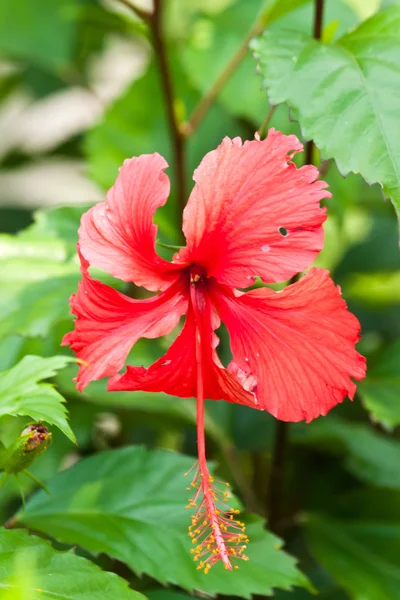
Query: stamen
[215, 532]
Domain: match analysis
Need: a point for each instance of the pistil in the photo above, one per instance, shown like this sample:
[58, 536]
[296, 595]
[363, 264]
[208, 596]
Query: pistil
[214, 529]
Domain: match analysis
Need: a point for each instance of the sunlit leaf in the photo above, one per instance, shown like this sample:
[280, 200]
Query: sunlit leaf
[345, 94]
[22, 393]
[31, 568]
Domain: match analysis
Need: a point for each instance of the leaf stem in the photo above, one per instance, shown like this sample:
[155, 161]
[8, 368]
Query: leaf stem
[177, 139]
[208, 99]
[317, 33]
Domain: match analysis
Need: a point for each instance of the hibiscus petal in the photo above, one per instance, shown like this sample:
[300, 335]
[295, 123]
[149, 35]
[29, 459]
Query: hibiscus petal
[252, 212]
[298, 343]
[109, 323]
[119, 235]
[175, 372]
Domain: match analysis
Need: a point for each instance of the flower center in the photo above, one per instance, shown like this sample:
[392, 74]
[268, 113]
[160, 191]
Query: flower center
[197, 274]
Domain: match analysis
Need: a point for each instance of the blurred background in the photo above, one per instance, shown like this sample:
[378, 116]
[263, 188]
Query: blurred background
[79, 92]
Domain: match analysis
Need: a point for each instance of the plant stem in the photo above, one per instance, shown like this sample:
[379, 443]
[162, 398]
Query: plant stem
[208, 99]
[318, 18]
[140, 12]
[274, 494]
[266, 121]
[317, 32]
[177, 138]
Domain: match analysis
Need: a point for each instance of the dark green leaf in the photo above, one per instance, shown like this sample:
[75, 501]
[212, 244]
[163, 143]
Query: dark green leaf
[369, 455]
[380, 391]
[362, 555]
[345, 94]
[22, 394]
[31, 568]
[130, 503]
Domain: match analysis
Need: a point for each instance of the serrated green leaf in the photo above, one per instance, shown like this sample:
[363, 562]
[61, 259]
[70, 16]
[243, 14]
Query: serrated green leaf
[345, 94]
[31, 569]
[129, 503]
[380, 392]
[368, 455]
[22, 394]
[362, 555]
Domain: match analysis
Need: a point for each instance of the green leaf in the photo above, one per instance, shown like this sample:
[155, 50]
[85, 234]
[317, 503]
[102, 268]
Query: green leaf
[373, 289]
[362, 555]
[21, 394]
[42, 32]
[380, 391]
[129, 503]
[37, 283]
[369, 456]
[31, 568]
[345, 94]
[60, 223]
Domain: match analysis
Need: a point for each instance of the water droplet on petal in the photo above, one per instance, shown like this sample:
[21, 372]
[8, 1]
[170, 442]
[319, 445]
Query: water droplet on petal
[165, 363]
[265, 248]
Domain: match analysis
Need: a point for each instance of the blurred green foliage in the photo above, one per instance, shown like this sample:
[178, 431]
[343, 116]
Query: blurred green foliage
[79, 92]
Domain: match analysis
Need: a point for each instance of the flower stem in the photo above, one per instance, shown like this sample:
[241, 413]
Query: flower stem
[317, 33]
[209, 98]
[177, 139]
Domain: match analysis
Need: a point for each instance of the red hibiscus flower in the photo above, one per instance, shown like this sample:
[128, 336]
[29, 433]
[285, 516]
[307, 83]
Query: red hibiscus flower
[251, 213]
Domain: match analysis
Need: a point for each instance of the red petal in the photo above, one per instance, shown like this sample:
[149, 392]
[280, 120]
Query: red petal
[119, 235]
[299, 344]
[175, 372]
[247, 196]
[110, 323]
